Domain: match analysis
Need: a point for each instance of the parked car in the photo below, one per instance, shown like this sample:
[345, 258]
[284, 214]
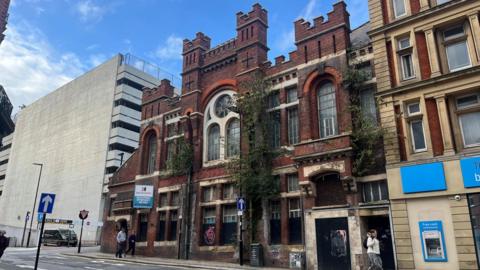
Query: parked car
[59, 237]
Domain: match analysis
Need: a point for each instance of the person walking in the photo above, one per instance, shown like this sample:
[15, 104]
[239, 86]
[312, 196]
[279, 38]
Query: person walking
[132, 239]
[121, 242]
[373, 251]
[3, 242]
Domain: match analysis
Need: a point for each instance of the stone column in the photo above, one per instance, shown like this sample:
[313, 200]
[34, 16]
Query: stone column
[445, 125]
[475, 26]
[432, 52]
[424, 5]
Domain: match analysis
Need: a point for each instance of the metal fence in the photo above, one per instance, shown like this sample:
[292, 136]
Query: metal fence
[151, 69]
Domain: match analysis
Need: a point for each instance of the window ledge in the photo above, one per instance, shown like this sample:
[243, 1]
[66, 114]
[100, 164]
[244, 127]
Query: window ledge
[164, 243]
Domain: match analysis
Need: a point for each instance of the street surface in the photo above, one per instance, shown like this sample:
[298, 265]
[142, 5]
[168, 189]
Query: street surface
[51, 259]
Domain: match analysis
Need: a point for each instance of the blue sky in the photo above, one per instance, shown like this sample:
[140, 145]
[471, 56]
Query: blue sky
[50, 42]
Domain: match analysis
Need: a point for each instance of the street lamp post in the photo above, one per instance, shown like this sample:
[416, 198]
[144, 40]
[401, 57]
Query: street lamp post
[34, 203]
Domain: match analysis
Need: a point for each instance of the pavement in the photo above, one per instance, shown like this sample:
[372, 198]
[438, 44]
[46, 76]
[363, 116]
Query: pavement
[60, 258]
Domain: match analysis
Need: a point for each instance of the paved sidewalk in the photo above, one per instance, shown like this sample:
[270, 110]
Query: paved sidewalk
[165, 262]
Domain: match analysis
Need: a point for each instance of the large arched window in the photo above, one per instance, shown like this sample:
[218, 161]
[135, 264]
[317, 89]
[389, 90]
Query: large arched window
[327, 110]
[151, 153]
[233, 138]
[221, 128]
[213, 142]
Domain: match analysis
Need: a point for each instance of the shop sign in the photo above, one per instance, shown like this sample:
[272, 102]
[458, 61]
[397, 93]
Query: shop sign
[470, 171]
[423, 178]
[143, 197]
[433, 241]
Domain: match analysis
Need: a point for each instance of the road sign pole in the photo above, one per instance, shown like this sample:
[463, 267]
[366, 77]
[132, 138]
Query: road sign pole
[25, 226]
[40, 241]
[80, 241]
[241, 241]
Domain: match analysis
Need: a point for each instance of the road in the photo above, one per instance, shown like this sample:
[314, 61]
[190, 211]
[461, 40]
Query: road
[51, 259]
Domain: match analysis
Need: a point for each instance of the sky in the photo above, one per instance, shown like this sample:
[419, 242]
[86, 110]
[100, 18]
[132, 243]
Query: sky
[50, 42]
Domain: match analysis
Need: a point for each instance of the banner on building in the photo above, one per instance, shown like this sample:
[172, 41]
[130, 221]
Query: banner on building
[433, 241]
[470, 171]
[143, 197]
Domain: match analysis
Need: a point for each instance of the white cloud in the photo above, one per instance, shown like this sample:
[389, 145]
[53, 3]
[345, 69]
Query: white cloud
[171, 49]
[30, 66]
[97, 59]
[89, 11]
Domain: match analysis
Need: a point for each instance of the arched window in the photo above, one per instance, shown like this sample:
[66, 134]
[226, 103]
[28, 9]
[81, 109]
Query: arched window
[221, 128]
[152, 154]
[214, 142]
[327, 110]
[233, 138]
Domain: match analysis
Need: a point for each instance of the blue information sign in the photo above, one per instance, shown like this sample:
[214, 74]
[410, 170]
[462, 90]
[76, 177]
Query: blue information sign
[433, 241]
[470, 171]
[46, 203]
[241, 204]
[143, 197]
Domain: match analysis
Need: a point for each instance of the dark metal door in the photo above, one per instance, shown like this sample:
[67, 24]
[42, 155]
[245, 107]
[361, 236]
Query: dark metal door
[333, 247]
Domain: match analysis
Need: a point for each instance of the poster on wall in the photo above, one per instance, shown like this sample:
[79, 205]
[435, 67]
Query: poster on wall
[143, 197]
[433, 241]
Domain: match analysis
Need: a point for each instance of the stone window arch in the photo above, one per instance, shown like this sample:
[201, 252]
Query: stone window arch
[151, 153]
[220, 141]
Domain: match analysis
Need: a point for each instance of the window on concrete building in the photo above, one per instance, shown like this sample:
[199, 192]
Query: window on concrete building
[233, 138]
[292, 181]
[417, 132]
[275, 223]
[208, 193]
[294, 221]
[405, 52]
[208, 227]
[292, 114]
[375, 191]
[327, 110]
[162, 219]
[399, 8]
[214, 142]
[142, 227]
[468, 111]
[229, 191]
[229, 225]
[456, 48]
[173, 226]
[275, 129]
[152, 154]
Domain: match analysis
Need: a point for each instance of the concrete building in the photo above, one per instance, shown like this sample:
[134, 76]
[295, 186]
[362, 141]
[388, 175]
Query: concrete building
[428, 79]
[80, 133]
[3, 18]
[5, 146]
[6, 128]
[323, 209]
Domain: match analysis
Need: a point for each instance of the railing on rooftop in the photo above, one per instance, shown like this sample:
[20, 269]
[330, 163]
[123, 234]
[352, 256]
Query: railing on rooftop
[151, 69]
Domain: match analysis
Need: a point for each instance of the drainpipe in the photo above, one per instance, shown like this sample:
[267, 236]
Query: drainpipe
[188, 212]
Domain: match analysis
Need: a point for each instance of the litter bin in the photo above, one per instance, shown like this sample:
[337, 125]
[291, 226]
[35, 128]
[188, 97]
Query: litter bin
[256, 255]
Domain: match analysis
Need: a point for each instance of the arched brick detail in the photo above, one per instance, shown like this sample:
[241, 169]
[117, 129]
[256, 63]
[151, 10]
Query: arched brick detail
[143, 147]
[312, 83]
[214, 88]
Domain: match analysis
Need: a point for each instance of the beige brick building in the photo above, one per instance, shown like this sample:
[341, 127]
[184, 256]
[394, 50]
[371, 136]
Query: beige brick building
[428, 80]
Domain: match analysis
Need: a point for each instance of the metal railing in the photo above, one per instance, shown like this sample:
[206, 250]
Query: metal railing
[151, 69]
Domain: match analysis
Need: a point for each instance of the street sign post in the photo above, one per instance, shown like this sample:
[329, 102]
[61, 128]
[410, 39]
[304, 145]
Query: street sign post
[82, 215]
[241, 205]
[44, 207]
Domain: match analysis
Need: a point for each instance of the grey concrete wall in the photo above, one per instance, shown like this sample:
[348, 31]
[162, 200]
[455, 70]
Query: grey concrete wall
[68, 132]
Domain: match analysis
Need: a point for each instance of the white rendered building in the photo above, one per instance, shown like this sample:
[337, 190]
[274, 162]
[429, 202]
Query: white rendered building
[80, 132]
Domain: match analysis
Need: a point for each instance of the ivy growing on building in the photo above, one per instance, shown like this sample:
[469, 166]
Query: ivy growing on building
[253, 169]
[180, 163]
[366, 133]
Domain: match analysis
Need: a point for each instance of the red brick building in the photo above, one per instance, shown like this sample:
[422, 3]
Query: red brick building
[3, 17]
[318, 191]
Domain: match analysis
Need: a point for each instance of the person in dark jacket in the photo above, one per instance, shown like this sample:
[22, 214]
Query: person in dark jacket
[132, 239]
[3, 243]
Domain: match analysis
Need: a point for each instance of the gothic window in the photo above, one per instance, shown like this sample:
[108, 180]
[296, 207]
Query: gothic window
[233, 138]
[152, 154]
[327, 110]
[221, 128]
[214, 142]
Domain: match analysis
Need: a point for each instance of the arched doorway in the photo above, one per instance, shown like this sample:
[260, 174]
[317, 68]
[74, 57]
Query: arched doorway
[122, 224]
